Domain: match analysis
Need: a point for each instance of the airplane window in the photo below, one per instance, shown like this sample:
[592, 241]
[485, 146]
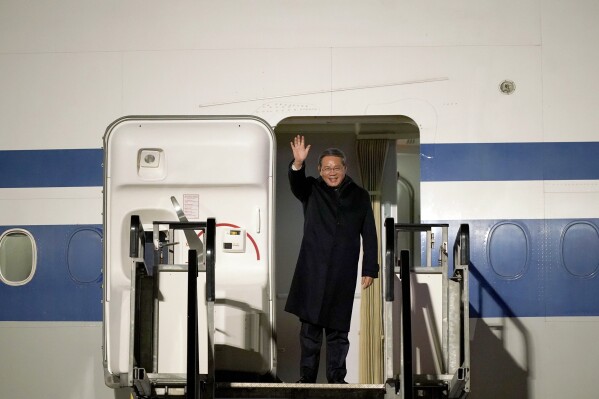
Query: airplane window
[17, 257]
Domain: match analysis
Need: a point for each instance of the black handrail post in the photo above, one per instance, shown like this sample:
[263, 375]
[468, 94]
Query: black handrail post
[406, 316]
[464, 238]
[210, 259]
[192, 326]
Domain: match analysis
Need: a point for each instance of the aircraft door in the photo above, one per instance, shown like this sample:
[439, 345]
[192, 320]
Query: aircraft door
[173, 169]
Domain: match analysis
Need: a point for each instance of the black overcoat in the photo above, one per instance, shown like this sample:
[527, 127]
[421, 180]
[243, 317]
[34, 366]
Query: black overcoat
[324, 282]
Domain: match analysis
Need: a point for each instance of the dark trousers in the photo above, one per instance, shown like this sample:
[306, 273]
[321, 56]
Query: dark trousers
[337, 348]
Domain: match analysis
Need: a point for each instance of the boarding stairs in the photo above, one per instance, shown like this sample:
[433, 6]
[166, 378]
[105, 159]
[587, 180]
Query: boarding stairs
[451, 378]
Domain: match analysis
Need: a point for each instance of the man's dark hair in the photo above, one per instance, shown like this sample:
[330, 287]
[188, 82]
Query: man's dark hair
[335, 152]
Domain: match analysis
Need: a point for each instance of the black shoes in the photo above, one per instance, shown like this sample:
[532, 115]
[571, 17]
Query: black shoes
[305, 380]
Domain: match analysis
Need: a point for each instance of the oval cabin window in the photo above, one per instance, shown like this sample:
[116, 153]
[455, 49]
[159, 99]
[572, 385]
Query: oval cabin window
[17, 257]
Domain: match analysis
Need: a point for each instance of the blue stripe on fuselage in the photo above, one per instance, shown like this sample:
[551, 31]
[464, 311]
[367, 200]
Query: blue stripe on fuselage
[439, 162]
[67, 284]
[51, 168]
[509, 161]
[532, 268]
[518, 268]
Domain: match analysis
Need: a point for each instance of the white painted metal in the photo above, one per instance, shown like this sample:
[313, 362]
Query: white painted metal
[51, 206]
[29, 374]
[482, 200]
[496, 200]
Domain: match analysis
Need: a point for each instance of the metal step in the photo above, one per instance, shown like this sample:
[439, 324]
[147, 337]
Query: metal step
[294, 390]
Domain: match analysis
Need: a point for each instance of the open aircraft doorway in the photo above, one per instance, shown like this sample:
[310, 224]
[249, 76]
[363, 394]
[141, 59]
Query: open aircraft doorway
[154, 295]
[383, 156]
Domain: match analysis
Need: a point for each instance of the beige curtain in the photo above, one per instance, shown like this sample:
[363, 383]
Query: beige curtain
[371, 159]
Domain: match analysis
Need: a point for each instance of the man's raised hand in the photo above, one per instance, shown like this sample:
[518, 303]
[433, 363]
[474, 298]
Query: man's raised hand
[300, 150]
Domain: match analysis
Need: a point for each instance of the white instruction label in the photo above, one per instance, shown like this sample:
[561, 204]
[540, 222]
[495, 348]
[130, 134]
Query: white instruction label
[191, 206]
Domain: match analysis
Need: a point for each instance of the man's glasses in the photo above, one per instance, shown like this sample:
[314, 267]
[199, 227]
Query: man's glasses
[328, 169]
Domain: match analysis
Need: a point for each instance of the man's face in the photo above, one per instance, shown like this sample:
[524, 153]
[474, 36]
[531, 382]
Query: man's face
[332, 170]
